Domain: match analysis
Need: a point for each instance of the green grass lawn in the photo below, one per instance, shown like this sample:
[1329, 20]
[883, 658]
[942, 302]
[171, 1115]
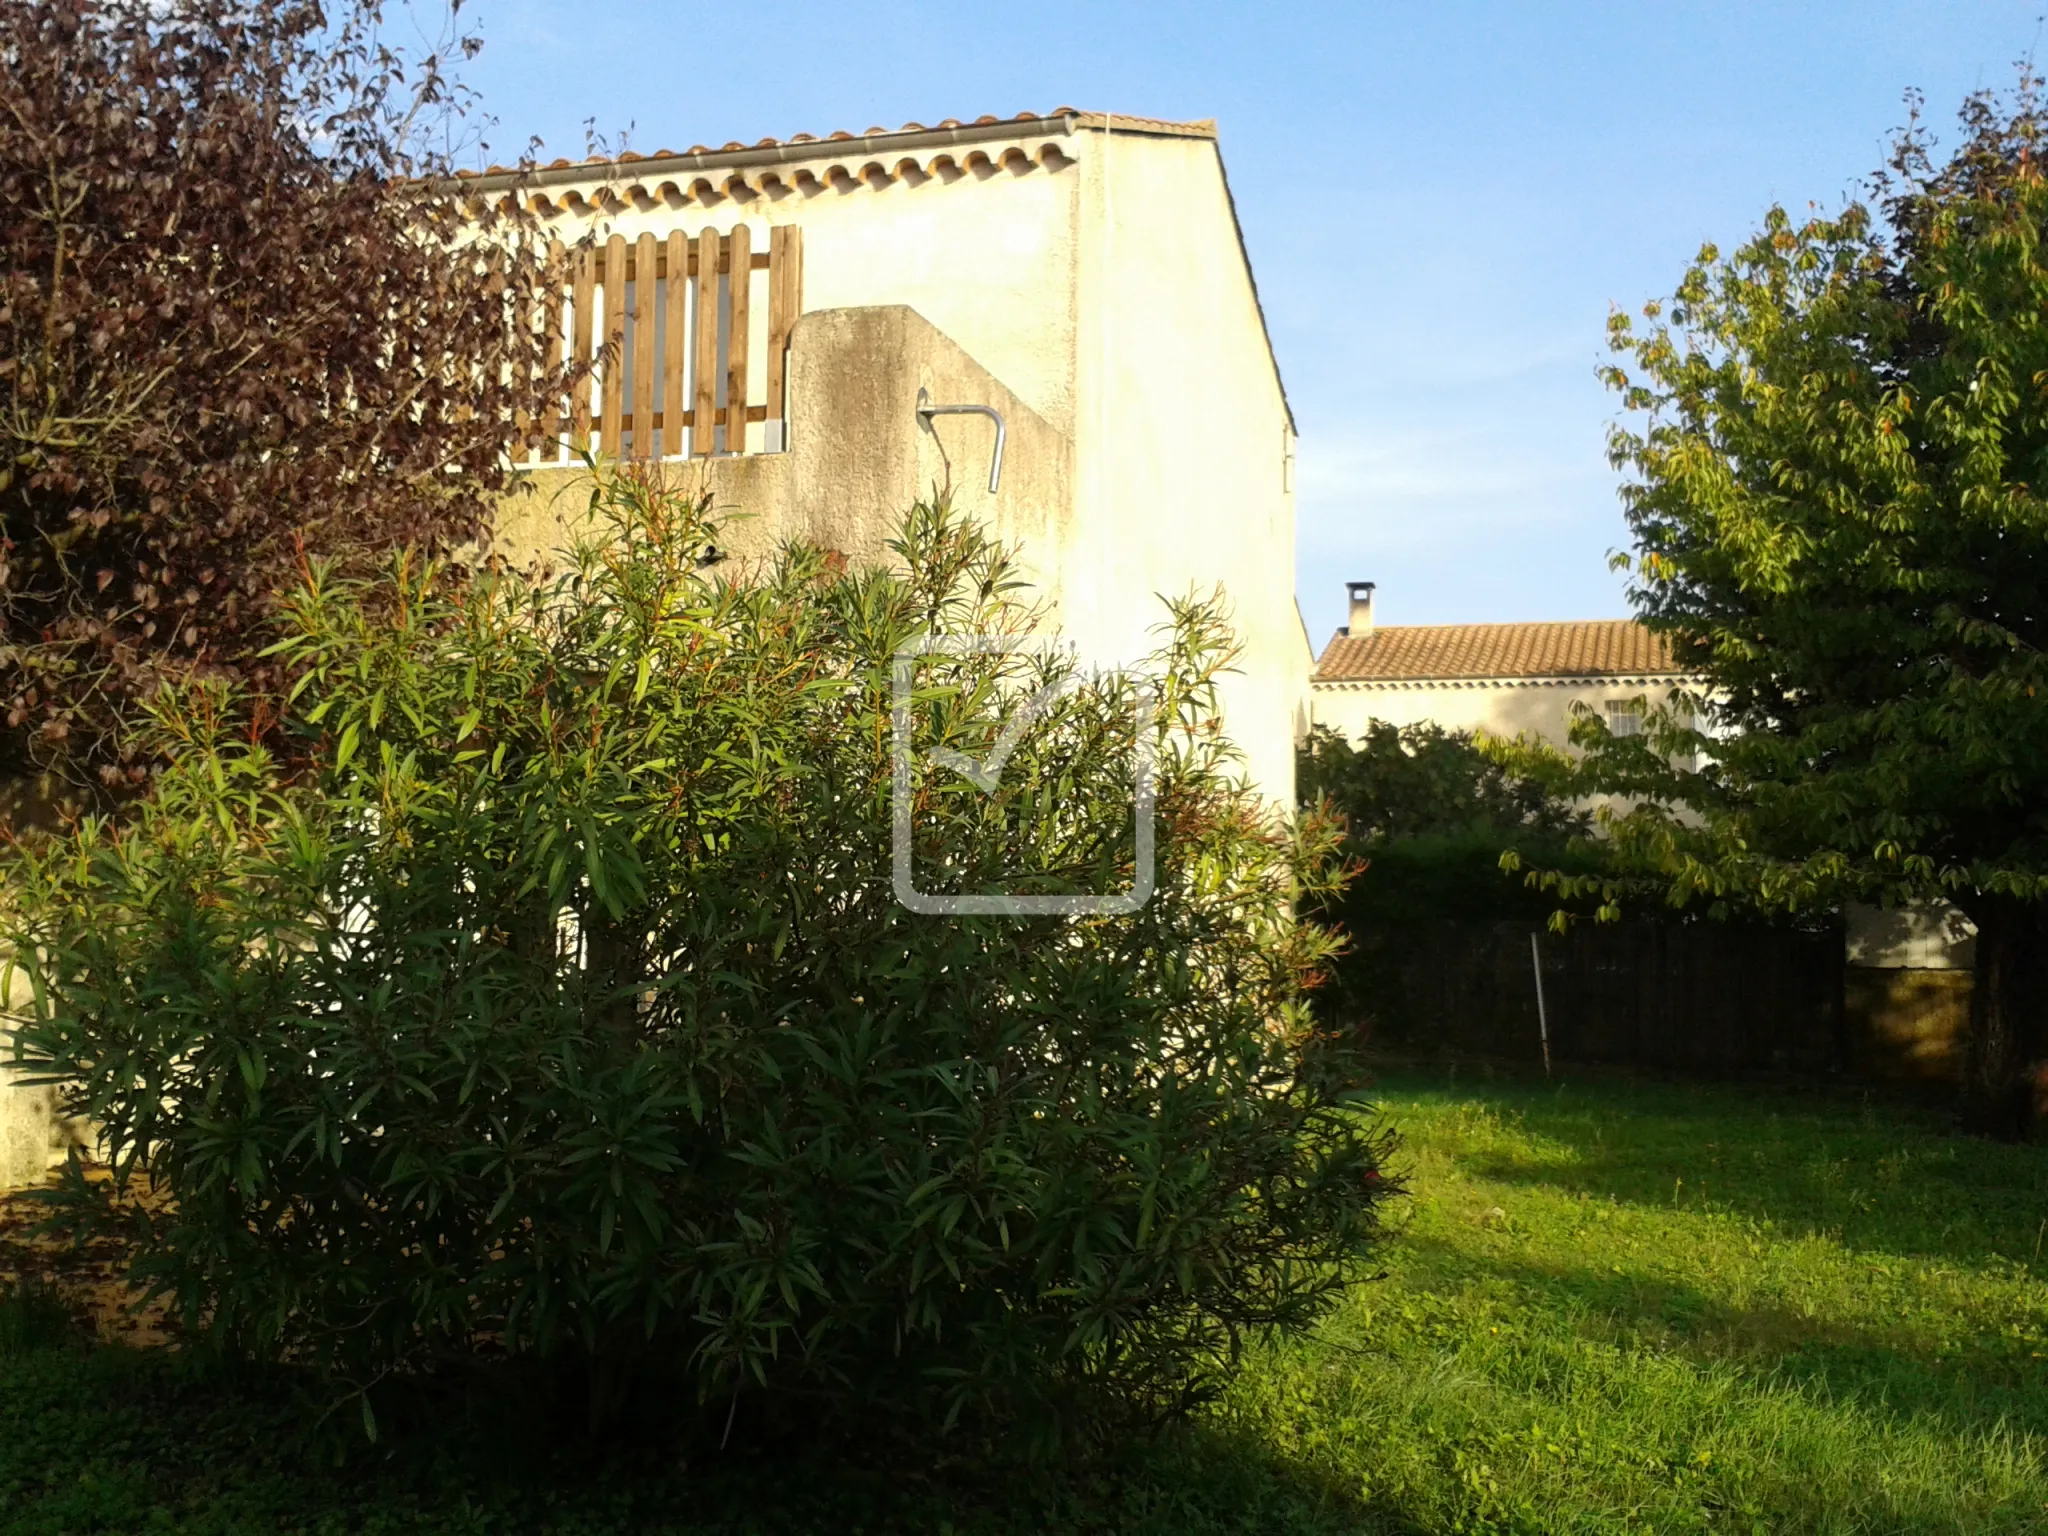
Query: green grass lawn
[1684, 1308]
[1613, 1307]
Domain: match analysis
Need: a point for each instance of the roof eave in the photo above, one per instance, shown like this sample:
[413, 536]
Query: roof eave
[792, 151]
[1511, 680]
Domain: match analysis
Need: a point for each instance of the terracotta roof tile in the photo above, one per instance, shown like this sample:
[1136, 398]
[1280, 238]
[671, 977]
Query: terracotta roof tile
[1422, 652]
[1206, 128]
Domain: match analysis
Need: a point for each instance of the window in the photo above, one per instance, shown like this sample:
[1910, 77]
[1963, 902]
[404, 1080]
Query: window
[1625, 717]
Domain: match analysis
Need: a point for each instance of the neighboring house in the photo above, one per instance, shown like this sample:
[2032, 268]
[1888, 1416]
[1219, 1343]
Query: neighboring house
[1080, 274]
[1504, 679]
[1906, 982]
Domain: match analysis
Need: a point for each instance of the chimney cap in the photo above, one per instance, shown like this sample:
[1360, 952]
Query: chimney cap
[1353, 588]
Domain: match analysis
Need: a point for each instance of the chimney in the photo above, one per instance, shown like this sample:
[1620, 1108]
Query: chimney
[1360, 593]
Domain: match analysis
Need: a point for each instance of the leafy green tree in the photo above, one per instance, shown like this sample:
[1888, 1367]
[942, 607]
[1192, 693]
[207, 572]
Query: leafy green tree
[1428, 812]
[1838, 493]
[1404, 781]
[569, 1013]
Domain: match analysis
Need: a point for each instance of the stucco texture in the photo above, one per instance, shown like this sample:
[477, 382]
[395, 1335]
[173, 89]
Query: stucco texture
[1541, 709]
[1096, 291]
[34, 1139]
[858, 455]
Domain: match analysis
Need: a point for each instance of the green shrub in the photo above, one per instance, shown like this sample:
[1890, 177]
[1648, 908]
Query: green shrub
[1398, 783]
[569, 1014]
[1429, 812]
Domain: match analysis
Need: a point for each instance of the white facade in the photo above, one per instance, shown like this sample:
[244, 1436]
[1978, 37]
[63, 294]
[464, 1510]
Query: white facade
[1091, 267]
[1081, 273]
[1495, 706]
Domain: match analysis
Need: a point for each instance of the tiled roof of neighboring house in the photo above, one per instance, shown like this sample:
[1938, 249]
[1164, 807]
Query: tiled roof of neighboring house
[874, 141]
[1425, 652]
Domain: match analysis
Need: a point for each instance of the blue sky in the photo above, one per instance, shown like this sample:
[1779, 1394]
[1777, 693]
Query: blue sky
[1442, 202]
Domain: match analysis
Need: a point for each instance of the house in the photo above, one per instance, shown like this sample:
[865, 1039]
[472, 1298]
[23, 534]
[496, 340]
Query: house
[1906, 971]
[1069, 290]
[1078, 280]
[1502, 679]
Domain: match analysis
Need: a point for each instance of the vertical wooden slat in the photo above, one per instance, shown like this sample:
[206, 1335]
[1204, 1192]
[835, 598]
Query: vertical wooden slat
[785, 303]
[615, 344]
[644, 392]
[742, 278]
[579, 395]
[524, 318]
[551, 330]
[673, 369]
[702, 434]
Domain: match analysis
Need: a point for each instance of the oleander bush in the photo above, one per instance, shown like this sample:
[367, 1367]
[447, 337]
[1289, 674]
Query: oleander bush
[564, 1018]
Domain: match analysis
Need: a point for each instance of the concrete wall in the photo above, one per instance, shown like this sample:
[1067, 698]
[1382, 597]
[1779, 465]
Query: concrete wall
[34, 1139]
[1906, 1024]
[1906, 992]
[858, 456]
[985, 255]
[24, 1133]
[1928, 936]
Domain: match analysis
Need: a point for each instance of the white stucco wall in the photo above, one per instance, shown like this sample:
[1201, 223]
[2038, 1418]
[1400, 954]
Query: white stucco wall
[1098, 275]
[34, 1138]
[985, 254]
[987, 258]
[1928, 936]
[1537, 708]
[989, 261]
[1182, 435]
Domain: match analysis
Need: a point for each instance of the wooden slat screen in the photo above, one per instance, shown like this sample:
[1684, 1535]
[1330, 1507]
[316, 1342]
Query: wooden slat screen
[579, 320]
[612, 339]
[738, 305]
[671, 322]
[785, 303]
[703, 418]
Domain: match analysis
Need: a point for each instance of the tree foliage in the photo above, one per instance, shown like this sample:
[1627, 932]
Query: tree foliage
[1405, 781]
[1428, 813]
[570, 1014]
[240, 319]
[1838, 493]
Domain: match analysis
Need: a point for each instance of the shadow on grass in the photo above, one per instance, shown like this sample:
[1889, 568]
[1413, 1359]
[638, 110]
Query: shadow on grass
[1874, 1174]
[1966, 1390]
[111, 1439]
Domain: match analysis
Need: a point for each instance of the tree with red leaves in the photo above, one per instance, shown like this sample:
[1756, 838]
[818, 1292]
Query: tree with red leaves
[243, 320]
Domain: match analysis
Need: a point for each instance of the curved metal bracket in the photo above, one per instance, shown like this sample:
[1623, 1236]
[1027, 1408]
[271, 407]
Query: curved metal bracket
[926, 411]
